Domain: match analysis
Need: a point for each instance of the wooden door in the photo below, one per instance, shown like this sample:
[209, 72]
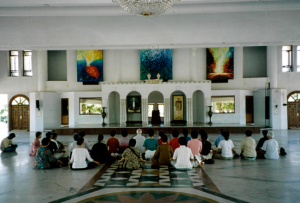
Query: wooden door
[293, 114]
[20, 117]
[65, 111]
[249, 109]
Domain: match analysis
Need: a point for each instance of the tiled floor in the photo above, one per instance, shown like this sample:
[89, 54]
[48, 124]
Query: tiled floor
[237, 180]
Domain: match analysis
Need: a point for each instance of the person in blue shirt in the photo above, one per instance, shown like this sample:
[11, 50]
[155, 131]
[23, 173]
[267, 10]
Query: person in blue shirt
[150, 145]
[219, 139]
[185, 133]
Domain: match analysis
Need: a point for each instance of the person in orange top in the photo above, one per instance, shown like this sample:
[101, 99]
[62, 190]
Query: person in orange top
[161, 133]
[113, 144]
[174, 142]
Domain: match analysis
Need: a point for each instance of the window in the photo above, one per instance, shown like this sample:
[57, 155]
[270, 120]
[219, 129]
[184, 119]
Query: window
[161, 109]
[294, 97]
[90, 106]
[27, 63]
[20, 101]
[298, 58]
[223, 104]
[150, 109]
[14, 63]
[286, 58]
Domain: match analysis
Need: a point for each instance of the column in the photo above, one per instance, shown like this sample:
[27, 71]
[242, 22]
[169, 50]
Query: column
[189, 111]
[105, 103]
[145, 111]
[123, 114]
[167, 112]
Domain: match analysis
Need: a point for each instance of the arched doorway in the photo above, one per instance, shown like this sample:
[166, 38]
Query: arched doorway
[114, 108]
[19, 113]
[156, 103]
[294, 109]
[198, 107]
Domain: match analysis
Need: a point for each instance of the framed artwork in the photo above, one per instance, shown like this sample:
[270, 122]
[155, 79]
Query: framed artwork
[134, 104]
[220, 64]
[155, 61]
[89, 65]
[178, 108]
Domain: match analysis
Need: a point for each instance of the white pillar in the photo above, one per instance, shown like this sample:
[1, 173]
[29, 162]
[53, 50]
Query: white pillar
[145, 111]
[272, 65]
[189, 111]
[42, 64]
[123, 114]
[105, 103]
[167, 112]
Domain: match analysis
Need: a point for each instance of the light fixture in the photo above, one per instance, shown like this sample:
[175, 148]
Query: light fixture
[145, 7]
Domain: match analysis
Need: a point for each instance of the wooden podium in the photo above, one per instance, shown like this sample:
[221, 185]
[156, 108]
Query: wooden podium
[155, 117]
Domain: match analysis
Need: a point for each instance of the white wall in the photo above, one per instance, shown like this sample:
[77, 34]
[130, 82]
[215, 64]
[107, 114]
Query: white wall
[279, 113]
[51, 105]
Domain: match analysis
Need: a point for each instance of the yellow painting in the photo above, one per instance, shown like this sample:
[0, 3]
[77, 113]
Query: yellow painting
[178, 108]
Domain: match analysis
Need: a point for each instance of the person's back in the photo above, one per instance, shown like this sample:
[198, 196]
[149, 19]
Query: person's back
[262, 140]
[219, 138]
[182, 155]
[174, 142]
[7, 144]
[161, 133]
[163, 153]
[185, 134]
[140, 141]
[100, 153]
[150, 145]
[113, 143]
[248, 146]
[123, 142]
[79, 156]
[195, 145]
[226, 146]
[271, 147]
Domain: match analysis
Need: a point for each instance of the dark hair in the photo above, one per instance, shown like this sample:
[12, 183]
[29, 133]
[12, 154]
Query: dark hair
[226, 135]
[11, 136]
[194, 134]
[82, 133]
[37, 134]
[76, 136]
[265, 132]
[164, 138]
[204, 137]
[54, 135]
[161, 133]
[124, 133]
[45, 141]
[112, 133]
[132, 142]
[201, 132]
[100, 137]
[49, 135]
[182, 141]
[185, 132]
[150, 132]
[80, 141]
[221, 131]
[175, 133]
[248, 133]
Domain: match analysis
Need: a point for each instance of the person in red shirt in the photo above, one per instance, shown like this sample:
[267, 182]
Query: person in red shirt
[161, 133]
[113, 144]
[174, 142]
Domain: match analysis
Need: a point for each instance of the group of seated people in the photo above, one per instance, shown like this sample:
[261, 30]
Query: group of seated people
[182, 152]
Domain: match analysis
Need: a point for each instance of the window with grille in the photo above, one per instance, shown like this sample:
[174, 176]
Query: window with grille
[150, 109]
[161, 109]
[14, 63]
[286, 58]
[27, 60]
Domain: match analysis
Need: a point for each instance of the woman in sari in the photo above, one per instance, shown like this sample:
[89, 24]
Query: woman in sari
[35, 144]
[131, 157]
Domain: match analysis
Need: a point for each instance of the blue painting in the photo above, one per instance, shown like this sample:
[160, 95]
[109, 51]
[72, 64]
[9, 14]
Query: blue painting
[89, 65]
[155, 61]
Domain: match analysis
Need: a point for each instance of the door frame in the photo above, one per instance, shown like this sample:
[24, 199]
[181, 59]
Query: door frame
[287, 112]
[10, 110]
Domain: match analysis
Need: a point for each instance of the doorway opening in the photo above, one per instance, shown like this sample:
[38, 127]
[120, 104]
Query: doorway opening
[19, 113]
[249, 109]
[65, 111]
[294, 109]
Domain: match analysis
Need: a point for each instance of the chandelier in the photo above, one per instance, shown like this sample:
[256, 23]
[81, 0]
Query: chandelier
[145, 7]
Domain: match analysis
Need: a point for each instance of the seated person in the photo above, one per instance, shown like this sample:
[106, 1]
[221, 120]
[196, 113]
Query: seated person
[196, 147]
[60, 145]
[270, 147]
[7, 144]
[123, 142]
[132, 157]
[73, 144]
[113, 144]
[44, 158]
[80, 155]
[227, 148]
[261, 153]
[53, 147]
[36, 144]
[182, 156]
[59, 153]
[248, 146]
[86, 142]
[150, 145]
[163, 153]
[219, 139]
[140, 139]
[185, 134]
[161, 133]
[100, 153]
[206, 153]
[174, 142]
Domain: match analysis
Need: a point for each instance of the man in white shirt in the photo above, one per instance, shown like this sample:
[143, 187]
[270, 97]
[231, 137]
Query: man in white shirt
[182, 156]
[139, 140]
[248, 146]
[270, 147]
[227, 148]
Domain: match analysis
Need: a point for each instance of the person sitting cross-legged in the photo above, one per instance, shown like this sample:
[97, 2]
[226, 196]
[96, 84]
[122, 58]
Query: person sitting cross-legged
[196, 147]
[132, 157]
[161, 133]
[113, 144]
[86, 142]
[163, 153]
[140, 139]
[7, 144]
[227, 148]
[36, 144]
[261, 153]
[174, 142]
[182, 156]
[80, 155]
[248, 146]
[150, 145]
[270, 147]
[100, 153]
[207, 152]
[59, 152]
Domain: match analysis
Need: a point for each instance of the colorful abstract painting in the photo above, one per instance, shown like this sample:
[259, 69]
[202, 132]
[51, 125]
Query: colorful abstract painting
[89, 65]
[220, 63]
[155, 61]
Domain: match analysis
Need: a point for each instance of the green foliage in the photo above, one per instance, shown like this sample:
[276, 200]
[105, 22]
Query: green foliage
[3, 113]
[93, 108]
[225, 106]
